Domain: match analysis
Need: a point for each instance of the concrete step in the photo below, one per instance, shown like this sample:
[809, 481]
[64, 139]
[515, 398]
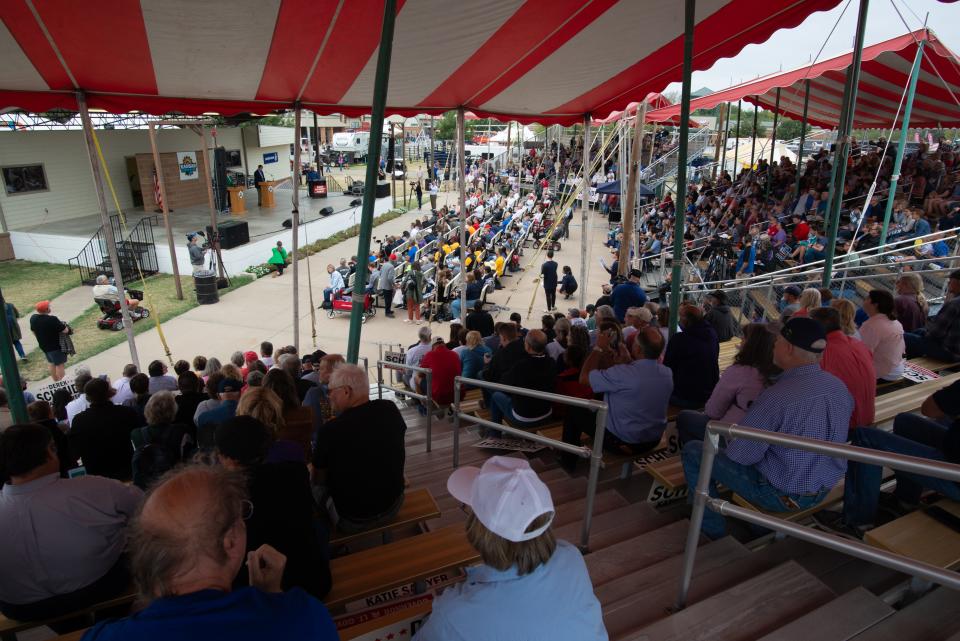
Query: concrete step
[744, 611]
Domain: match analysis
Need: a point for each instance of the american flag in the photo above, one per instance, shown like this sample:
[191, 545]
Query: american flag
[156, 191]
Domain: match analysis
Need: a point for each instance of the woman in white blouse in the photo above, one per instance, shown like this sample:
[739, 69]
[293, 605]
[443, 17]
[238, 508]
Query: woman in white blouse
[883, 334]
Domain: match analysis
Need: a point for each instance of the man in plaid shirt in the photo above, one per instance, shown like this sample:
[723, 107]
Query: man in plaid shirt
[805, 401]
[941, 337]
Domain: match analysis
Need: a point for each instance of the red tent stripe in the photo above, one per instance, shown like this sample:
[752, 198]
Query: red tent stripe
[713, 39]
[286, 69]
[354, 38]
[121, 61]
[541, 52]
[28, 34]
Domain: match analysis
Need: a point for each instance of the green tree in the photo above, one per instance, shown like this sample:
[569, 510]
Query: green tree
[447, 127]
[746, 126]
[789, 129]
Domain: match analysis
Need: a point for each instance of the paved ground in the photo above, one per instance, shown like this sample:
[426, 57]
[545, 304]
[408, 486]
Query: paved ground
[262, 310]
[66, 307]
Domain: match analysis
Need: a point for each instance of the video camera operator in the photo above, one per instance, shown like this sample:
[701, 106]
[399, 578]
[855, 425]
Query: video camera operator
[197, 250]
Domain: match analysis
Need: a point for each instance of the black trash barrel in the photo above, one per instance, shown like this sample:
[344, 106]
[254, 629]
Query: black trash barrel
[206, 284]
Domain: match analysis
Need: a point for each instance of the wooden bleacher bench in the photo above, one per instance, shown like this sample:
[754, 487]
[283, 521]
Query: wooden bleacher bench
[669, 472]
[908, 399]
[833, 496]
[9, 627]
[418, 506]
[921, 537]
[369, 572]
[769, 308]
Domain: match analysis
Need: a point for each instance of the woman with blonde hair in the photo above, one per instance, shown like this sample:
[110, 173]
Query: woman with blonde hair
[910, 304]
[808, 301]
[474, 356]
[264, 405]
[848, 313]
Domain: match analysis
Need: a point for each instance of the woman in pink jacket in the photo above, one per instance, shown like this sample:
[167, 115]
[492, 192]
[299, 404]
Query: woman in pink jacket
[741, 383]
[883, 334]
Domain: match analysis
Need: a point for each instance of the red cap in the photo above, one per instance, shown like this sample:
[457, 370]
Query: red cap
[250, 356]
[43, 306]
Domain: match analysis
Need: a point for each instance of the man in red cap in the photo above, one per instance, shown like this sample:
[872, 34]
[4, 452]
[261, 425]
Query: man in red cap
[47, 328]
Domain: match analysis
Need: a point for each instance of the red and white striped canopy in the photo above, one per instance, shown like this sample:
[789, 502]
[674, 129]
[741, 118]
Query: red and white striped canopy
[530, 60]
[884, 73]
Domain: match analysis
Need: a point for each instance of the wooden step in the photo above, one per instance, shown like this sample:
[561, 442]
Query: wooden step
[931, 618]
[919, 536]
[669, 472]
[617, 525]
[418, 506]
[745, 611]
[909, 399]
[636, 553]
[841, 619]
[572, 511]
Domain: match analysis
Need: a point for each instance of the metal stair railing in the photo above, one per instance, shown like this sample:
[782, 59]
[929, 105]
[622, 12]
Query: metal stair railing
[137, 248]
[665, 167]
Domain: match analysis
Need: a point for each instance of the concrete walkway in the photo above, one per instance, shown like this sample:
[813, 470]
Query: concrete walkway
[67, 306]
[262, 310]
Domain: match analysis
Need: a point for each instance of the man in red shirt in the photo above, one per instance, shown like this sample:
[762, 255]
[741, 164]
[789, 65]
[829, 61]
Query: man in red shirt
[445, 365]
[851, 361]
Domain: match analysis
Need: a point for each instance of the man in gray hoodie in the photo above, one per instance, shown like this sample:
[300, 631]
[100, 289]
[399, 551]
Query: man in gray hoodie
[388, 277]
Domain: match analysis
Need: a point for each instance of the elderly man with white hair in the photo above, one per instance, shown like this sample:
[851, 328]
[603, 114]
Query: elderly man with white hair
[415, 354]
[359, 456]
[103, 289]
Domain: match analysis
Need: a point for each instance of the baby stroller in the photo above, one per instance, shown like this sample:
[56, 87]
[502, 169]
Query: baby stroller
[112, 318]
[342, 303]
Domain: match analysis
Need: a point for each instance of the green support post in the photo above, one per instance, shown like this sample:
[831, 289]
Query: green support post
[378, 110]
[680, 208]
[736, 142]
[843, 142]
[11, 373]
[803, 134]
[908, 108]
[773, 141]
[753, 145]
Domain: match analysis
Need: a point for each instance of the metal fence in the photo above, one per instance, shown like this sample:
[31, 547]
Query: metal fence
[595, 455]
[702, 500]
[426, 398]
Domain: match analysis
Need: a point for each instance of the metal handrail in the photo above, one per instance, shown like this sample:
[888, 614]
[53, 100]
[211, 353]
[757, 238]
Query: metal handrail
[703, 500]
[595, 454]
[817, 266]
[427, 398]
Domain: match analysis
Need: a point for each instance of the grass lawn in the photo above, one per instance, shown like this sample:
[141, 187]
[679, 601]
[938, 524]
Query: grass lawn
[25, 283]
[89, 340]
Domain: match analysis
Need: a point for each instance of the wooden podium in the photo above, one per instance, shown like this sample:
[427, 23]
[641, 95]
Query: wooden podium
[267, 189]
[237, 204]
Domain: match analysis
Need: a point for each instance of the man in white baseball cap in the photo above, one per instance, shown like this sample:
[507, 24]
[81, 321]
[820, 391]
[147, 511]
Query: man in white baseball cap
[530, 586]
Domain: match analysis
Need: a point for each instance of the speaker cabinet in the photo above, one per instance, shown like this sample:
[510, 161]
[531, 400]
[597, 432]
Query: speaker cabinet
[383, 189]
[233, 233]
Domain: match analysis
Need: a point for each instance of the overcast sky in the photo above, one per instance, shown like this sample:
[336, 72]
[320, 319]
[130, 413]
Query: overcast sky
[796, 47]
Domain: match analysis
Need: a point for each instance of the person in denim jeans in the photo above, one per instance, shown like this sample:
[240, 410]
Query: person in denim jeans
[805, 401]
[934, 436]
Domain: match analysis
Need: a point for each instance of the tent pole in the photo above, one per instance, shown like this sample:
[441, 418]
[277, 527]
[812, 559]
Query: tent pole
[630, 202]
[680, 209]
[108, 234]
[585, 210]
[393, 174]
[736, 141]
[803, 134]
[908, 108]
[210, 201]
[753, 145]
[165, 206]
[716, 153]
[430, 172]
[843, 142]
[378, 108]
[295, 247]
[773, 141]
[462, 203]
[316, 147]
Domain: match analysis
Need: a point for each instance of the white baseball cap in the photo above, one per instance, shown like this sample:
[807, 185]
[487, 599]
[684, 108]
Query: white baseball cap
[505, 494]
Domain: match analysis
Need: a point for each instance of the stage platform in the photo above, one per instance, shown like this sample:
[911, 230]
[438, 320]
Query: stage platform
[58, 242]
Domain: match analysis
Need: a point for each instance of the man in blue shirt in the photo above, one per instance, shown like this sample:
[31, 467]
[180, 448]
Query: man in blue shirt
[628, 294]
[229, 394]
[189, 543]
[806, 401]
[530, 586]
[637, 392]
